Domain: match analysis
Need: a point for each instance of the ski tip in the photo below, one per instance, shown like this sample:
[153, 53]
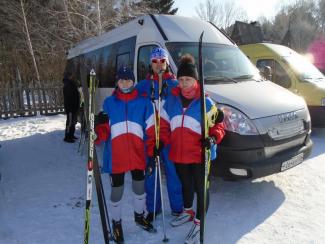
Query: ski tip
[92, 72]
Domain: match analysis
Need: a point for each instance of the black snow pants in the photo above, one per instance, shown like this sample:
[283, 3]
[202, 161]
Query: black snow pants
[192, 178]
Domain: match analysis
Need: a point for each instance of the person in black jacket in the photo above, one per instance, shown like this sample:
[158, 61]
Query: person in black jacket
[71, 106]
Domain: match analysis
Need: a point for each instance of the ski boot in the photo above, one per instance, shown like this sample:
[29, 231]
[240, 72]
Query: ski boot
[176, 214]
[193, 236]
[118, 232]
[141, 221]
[186, 216]
[149, 216]
[68, 140]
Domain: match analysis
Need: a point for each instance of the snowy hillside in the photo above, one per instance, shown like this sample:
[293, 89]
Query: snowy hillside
[43, 186]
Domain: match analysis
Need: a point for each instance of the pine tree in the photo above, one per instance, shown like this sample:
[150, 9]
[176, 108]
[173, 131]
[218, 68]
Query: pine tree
[161, 6]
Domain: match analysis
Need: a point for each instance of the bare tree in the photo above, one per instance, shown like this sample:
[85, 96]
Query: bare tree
[29, 42]
[43, 31]
[99, 22]
[299, 23]
[17, 36]
[321, 15]
[221, 13]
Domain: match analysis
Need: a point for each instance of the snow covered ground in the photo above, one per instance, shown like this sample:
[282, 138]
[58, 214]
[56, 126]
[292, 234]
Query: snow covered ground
[42, 196]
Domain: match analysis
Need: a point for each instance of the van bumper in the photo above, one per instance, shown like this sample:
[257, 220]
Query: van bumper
[317, 115]
[254, 161]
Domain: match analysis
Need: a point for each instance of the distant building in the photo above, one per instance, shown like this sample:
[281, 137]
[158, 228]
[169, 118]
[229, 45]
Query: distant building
[244, 33]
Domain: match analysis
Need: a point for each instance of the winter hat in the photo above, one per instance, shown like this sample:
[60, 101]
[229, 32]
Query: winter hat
[125, 73]
[159, 53]
[187, 67]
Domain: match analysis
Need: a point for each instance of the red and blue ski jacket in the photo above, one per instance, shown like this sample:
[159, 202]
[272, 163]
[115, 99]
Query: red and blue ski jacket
[145, 87]
[150, 85]
[184, 128]
[130, 121]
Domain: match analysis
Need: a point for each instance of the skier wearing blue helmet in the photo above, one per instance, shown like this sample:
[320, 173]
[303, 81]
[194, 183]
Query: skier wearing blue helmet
[152, 89]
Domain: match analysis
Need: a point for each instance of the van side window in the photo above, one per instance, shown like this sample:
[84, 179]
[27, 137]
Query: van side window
[123, 60]
[279, 75]
[107, 60]
[261, 63]
[143, 64]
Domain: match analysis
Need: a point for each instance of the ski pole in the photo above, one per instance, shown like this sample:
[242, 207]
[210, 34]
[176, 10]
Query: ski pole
[155, 185]
[82, 129]
[158, 158]
[80, 141]
[162, 200]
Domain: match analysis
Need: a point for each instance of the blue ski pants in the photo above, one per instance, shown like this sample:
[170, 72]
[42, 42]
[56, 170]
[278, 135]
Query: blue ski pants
[174, 186]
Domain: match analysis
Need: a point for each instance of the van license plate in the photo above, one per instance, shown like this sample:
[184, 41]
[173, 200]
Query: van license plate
[292, 162]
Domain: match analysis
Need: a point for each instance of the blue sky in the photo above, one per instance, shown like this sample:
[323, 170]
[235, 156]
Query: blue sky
[254, 8]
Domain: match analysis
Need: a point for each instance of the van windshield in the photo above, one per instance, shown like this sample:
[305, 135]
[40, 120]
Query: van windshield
[221, 63]
[304, 68]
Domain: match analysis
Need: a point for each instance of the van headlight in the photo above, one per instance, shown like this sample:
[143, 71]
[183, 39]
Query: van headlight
[237, 122]
[322, 101]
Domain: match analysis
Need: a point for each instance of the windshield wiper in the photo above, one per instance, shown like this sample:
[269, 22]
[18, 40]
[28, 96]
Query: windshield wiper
[210, 79]
[313, 78]
[247, 77]
[244, 77]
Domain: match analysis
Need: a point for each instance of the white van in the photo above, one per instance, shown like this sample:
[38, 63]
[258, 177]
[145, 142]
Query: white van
[267, 127]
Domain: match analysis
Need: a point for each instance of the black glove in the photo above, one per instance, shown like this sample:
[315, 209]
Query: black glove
[157, 151]
[101, 118]
[150, 166]
[220, 117]
[209, 142]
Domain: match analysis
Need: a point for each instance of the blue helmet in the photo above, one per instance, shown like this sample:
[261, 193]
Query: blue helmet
[160, 53]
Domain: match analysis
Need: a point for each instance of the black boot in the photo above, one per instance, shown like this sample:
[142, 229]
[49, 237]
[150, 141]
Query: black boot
[142, 222]
[69, 140]
[118, 231]
[149, 216]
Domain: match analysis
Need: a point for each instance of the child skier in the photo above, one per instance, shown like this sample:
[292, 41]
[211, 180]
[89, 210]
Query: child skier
[129, 118]
[184, 114]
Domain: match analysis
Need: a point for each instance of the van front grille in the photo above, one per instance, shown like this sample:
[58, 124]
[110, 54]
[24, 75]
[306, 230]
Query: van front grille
[286, 130]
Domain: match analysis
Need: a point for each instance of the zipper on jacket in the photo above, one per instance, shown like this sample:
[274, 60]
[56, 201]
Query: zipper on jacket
[182, 126]
[127, 131]
[184, 110]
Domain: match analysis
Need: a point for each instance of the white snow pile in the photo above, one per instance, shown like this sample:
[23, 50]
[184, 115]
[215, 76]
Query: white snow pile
[43, 188]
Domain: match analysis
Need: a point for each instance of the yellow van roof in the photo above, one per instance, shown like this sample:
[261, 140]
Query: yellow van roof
[276, 48]
[280, 49]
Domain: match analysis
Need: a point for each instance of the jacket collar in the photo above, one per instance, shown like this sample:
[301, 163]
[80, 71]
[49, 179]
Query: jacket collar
[176, 91]
[125, 96]
[165, 76]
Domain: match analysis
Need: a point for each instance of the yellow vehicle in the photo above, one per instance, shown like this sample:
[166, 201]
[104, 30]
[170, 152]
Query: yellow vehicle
[292, 71]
